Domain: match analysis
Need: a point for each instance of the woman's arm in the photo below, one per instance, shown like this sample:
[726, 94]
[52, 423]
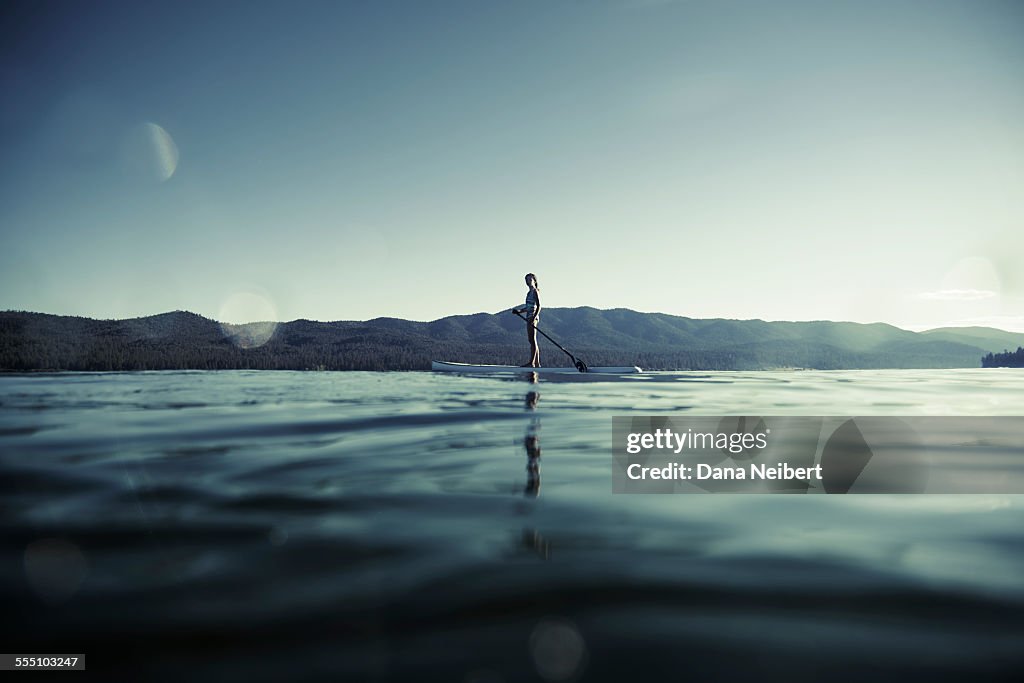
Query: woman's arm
[536, 311]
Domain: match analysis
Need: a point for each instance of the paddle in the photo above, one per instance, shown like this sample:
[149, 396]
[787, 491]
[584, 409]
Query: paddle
[580, 365]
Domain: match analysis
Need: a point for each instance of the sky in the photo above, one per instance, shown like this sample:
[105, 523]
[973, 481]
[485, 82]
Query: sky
[249, 161]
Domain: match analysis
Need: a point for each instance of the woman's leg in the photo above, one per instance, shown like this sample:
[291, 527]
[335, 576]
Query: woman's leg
[534, 347]
[531, 336]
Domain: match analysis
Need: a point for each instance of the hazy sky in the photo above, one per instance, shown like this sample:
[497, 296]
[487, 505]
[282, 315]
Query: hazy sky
[348, 160]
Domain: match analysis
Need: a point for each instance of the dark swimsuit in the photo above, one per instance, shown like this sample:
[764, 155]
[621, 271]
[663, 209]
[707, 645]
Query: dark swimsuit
[531, 306]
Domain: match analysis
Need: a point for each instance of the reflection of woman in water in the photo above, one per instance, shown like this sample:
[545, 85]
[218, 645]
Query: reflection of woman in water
[532, 443]
[532, 312]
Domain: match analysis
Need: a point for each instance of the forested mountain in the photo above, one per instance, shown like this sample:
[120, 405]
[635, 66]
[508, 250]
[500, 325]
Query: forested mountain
[182, 340]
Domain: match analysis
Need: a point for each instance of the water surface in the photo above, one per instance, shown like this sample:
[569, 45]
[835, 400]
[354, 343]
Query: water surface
[416, 526]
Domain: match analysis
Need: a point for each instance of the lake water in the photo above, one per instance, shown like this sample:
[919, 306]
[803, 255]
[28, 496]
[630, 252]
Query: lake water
[415, 526]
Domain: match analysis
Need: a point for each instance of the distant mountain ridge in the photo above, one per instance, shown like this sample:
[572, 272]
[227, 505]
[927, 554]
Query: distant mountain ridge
[183, 340]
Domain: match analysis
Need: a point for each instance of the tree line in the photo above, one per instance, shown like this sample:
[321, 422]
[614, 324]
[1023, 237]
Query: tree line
[1006, 359]
[186, 341]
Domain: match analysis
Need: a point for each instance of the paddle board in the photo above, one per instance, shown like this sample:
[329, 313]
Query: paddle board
[446, 366]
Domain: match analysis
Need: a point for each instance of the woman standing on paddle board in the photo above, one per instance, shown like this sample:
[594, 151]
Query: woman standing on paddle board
[532, 312]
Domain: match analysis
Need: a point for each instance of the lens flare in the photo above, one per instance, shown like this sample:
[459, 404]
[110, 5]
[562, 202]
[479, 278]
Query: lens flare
[973, 274]
[149, 152]
[165, 151]
[558, 649]
[248, 319]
